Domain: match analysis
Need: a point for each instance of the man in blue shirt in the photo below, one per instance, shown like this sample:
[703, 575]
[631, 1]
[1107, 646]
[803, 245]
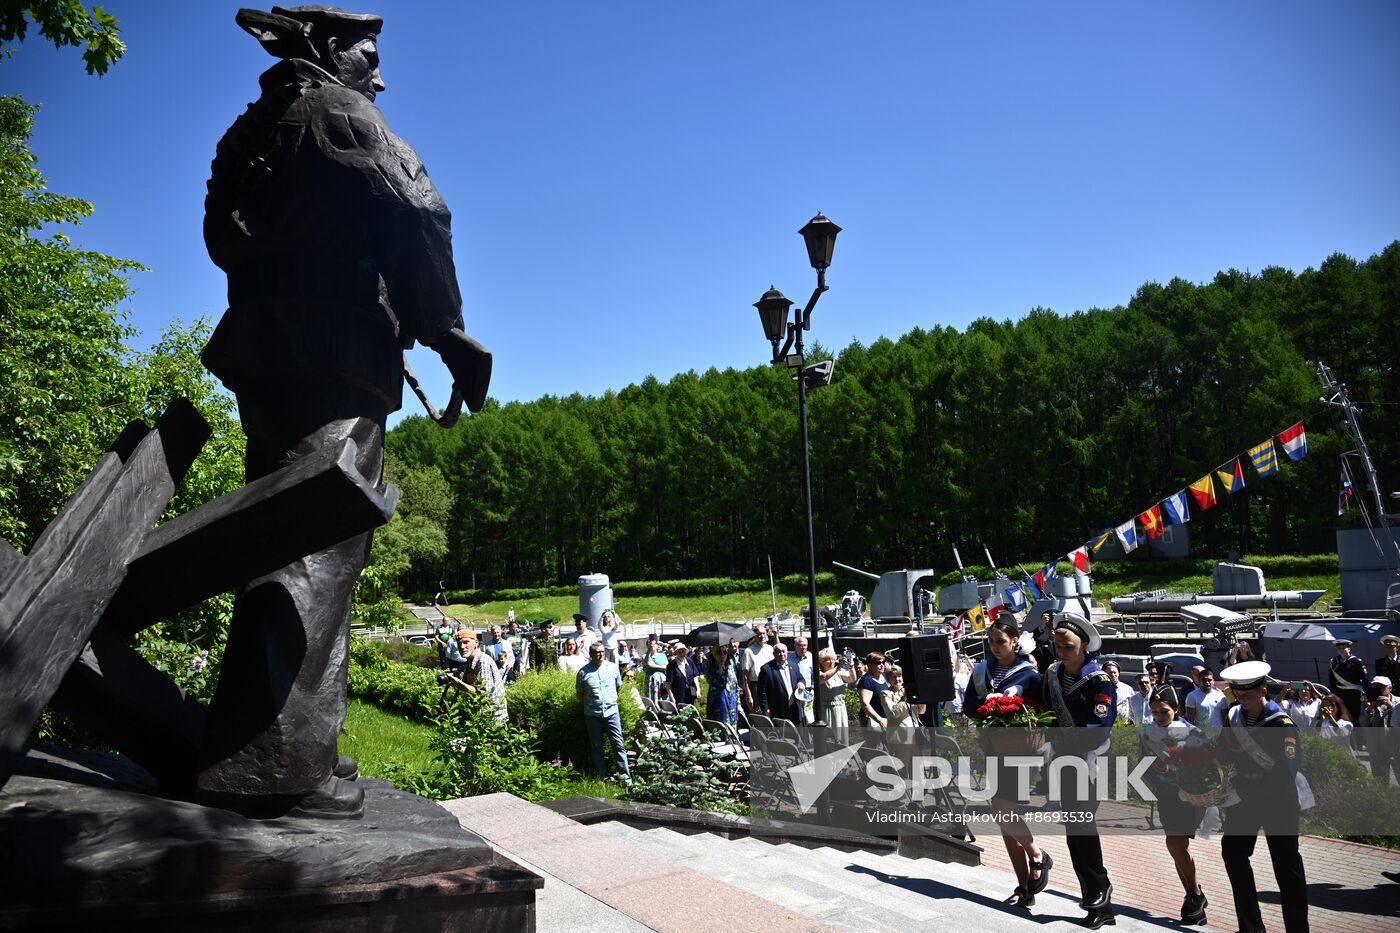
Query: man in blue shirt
[598, 682]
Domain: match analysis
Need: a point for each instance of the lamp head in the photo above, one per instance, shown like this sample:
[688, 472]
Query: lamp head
[773, 312]
[820, 236]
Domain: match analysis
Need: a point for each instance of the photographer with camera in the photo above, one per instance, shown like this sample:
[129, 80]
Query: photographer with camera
[1382, 734]
[478, 673]
[1303, 704]
[1332, 723]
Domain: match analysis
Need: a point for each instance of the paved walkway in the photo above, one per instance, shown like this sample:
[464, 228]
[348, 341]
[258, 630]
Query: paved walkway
[610, 877]
[1346, 892]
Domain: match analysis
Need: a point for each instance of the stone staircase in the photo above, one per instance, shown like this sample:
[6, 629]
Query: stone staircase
[862, 891]
[610, 875]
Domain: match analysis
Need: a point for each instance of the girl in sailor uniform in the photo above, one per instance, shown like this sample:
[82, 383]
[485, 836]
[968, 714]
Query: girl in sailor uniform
[1165, 732]
[1081, 695]
[1007, 671]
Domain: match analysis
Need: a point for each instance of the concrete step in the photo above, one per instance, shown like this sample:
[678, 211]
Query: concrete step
[864, 890]
[632, 882]
[836, 871]
[759, 874]
[609, 876]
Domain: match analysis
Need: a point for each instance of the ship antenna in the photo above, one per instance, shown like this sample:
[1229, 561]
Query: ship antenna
[1337, 397]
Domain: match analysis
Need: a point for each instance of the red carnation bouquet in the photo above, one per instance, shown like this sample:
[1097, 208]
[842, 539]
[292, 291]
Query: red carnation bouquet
[1021, 724]
[1200, 773]
[999, 710]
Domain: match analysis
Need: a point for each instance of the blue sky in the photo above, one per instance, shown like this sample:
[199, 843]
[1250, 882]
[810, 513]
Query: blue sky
[628, 178]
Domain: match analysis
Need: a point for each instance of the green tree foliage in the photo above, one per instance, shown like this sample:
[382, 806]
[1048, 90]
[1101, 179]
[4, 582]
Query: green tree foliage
[1029, 436]
[408, 551]
[169, 370]
[65, 22]
[72, 383]
[63, 358]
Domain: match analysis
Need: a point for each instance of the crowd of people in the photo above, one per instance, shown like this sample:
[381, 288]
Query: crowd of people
[1253, 718]
[1240, 712]
[601, 661]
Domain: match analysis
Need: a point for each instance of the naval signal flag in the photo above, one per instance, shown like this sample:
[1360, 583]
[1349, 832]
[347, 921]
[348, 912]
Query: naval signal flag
[1127, 536]
[1152, 522]
[1175, 507]
[1204, 491]
[1079, 557]
[1264, 459]
[1231, 478]
[1295, 442]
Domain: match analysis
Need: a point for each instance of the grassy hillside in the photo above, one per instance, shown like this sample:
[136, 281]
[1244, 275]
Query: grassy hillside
[757, 605]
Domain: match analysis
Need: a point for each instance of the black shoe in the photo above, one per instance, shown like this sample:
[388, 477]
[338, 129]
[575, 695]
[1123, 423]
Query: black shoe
[333, 800]
[1035, 885]
[1098, 901]
[336, 799]
[1193, 909]
[1019, 898]
[1099, 918]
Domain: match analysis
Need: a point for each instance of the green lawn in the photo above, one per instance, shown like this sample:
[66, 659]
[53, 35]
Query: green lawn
[380, 741]
[757, 605]
[641, 608]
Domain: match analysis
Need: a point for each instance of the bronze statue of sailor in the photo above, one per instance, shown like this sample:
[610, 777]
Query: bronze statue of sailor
[338, 253]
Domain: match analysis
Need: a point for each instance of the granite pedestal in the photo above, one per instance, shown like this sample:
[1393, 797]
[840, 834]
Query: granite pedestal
[85, 843]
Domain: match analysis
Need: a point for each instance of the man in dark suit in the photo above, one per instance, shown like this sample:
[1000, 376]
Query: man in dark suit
[1388, 665]
[776, 684]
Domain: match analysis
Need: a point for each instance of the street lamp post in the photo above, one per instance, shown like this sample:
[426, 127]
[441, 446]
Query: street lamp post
[820, 236]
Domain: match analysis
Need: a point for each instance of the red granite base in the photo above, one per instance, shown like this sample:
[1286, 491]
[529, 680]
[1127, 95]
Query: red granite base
[491, 898]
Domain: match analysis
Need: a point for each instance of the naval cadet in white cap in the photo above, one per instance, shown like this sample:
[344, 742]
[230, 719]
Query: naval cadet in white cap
[1347, 677]
[1261, 741]
[1388, 664]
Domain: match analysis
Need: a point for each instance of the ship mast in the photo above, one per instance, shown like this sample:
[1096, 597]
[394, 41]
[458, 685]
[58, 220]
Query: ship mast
[1337, 398]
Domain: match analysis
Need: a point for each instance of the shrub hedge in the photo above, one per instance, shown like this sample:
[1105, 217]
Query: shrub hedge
[796, 584]
[543, 703]
[790, 585]
[400, 688]
[546, 705]
[409, 653]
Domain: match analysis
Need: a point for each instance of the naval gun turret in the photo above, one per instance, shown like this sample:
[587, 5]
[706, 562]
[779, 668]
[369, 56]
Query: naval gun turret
[1235, 586]
[901, 596]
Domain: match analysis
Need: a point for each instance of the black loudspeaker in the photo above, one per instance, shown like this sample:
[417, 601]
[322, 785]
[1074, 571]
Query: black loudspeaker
[928, 668]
